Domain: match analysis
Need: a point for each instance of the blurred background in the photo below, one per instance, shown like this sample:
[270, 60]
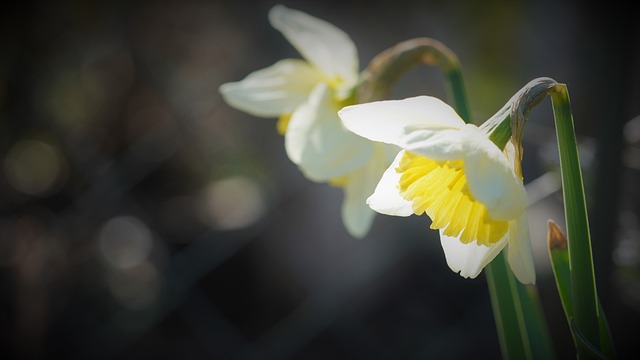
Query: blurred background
[141, 217]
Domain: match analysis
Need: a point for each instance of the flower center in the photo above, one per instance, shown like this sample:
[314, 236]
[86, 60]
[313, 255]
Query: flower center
[339, 181]
[335, 82]
[439, 189]
[283, 123]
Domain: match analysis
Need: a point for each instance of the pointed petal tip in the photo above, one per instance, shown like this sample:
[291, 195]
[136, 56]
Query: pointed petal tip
[321, 43]
[468, 259]
[226, 88]
[277, 10]
[530, 280]
[277, 13]
[357, 233]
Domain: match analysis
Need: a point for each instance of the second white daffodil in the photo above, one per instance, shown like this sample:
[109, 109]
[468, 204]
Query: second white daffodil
[452, 172]
[306, 95]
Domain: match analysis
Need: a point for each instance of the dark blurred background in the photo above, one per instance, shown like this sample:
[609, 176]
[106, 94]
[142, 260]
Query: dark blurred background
[143, 218]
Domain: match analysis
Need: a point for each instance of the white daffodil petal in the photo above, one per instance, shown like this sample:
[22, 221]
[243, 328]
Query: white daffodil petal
[317, 141]
[386, 198]
[390, 121]
[469, 259]
[519, 254]
[356, 214]
[322, 44]
[491, 178]
[272, 91]
[438, 145]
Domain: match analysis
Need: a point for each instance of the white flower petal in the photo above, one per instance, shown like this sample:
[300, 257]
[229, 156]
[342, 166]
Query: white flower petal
[386, 198]
[356, 214]
[272, 91]
[390, 121]
[319, 144]
[491, 178]
[520, 256]
[439, 145]
[469, 259]
[320, 43]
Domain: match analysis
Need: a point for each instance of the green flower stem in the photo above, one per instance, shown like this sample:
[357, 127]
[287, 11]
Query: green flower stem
[583, 287]
[507, 310]
[522, 328]
[386, 68]
[457, 90]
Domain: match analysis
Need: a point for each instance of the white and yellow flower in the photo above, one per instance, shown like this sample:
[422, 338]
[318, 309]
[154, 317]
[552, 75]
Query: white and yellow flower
[457, 176]
[306, 95]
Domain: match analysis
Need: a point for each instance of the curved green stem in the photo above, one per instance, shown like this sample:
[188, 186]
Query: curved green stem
[386, 68]
[457, 92]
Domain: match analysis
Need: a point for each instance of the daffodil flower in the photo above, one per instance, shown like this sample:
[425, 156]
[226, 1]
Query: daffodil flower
[306, 94]
[457, 176]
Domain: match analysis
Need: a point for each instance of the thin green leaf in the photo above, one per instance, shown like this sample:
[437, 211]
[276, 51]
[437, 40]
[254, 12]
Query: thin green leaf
[587, 321]
[583, 343]
[606, 339]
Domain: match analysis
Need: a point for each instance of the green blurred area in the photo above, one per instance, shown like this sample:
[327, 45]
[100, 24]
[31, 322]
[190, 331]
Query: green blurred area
[142, 217]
